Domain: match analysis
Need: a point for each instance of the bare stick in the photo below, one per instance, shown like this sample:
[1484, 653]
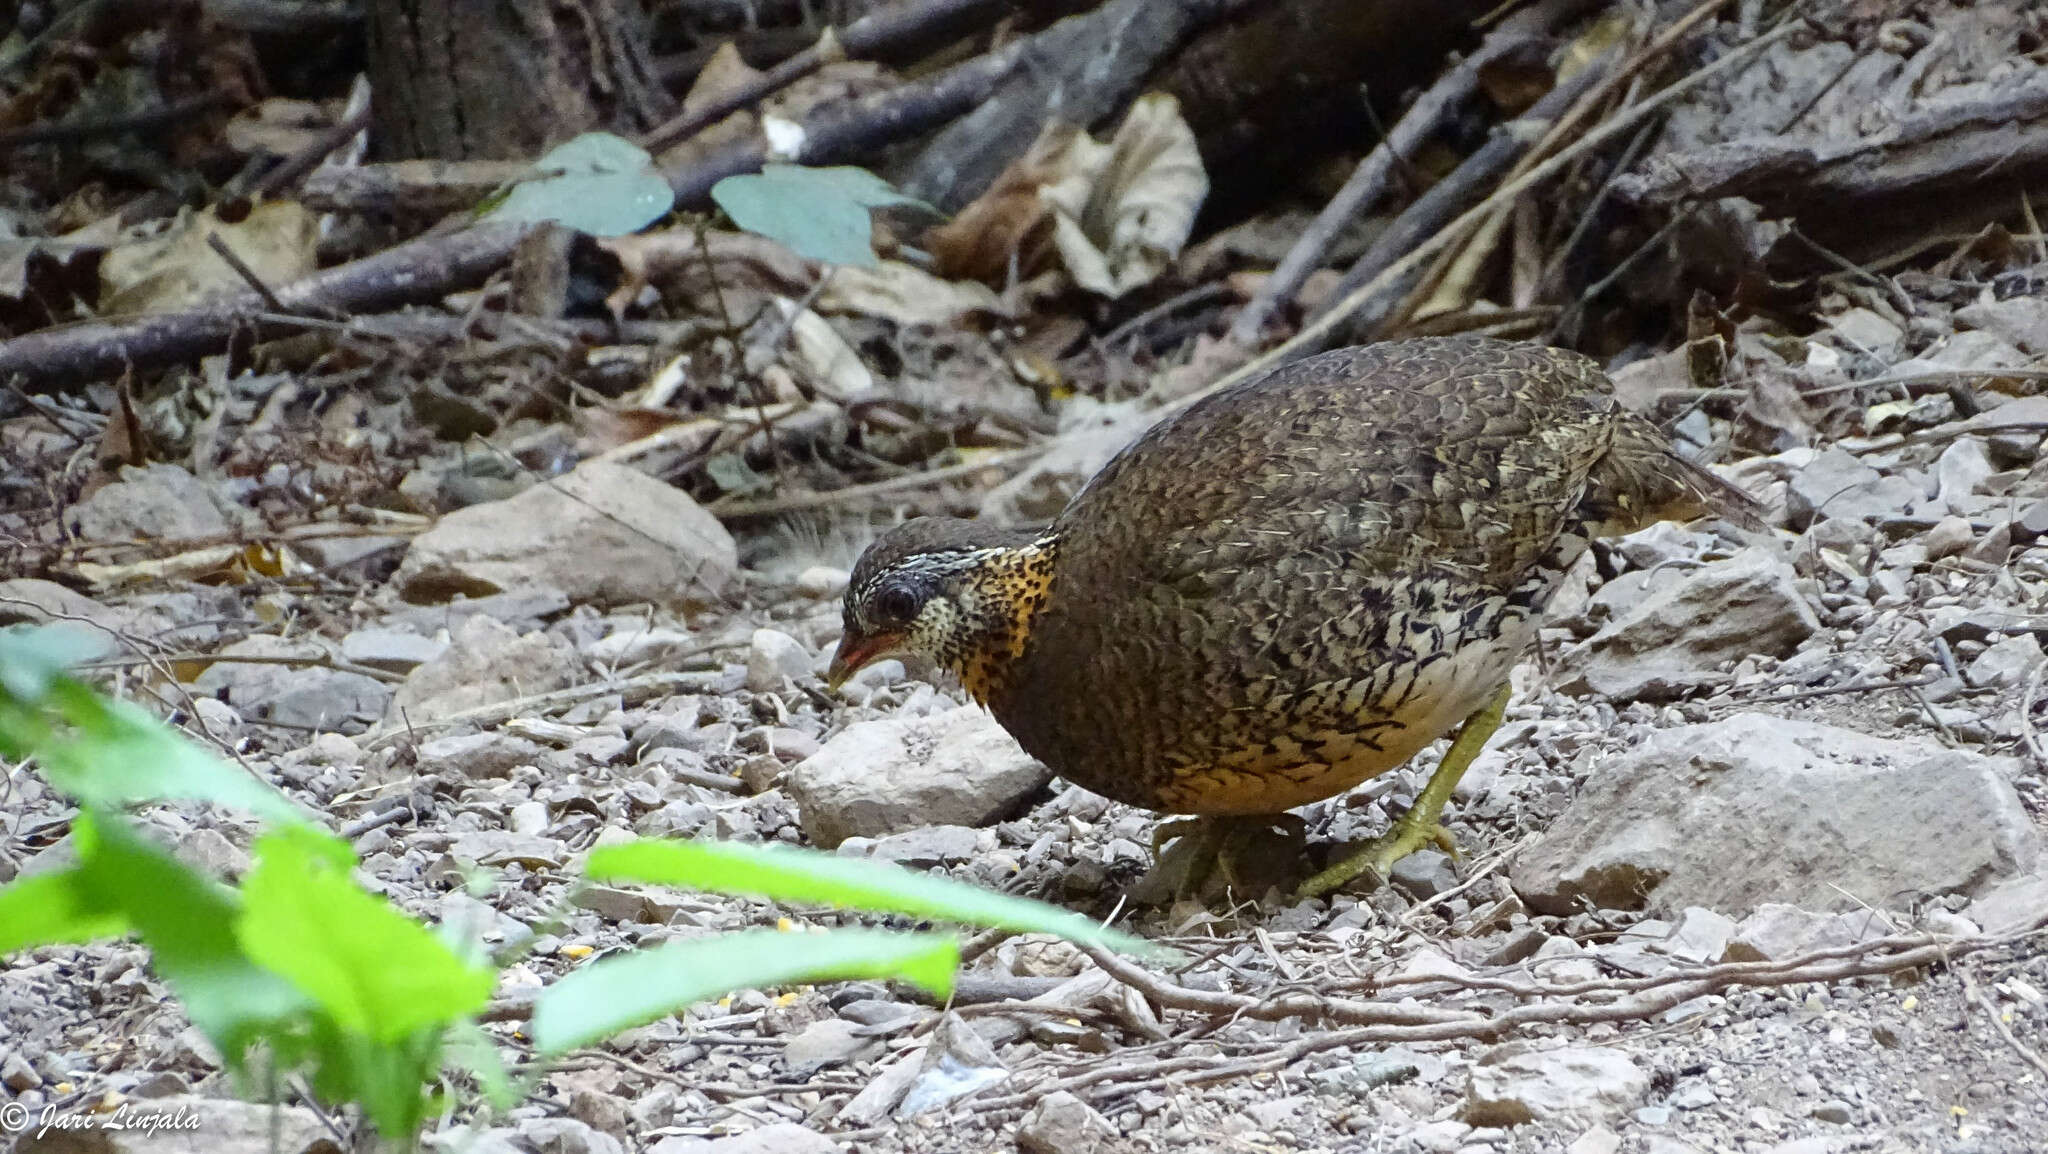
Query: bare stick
[1310, 338]
[1370, 179]
[864, 37]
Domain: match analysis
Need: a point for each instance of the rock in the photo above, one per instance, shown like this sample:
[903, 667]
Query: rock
[827, 1042]
[881, 777]
[1572, 1082]
[822, 582]
[933, 845]
[640, 643]
[18, 1074]
[152, 503]
[28, 600]
[1598, 1140]
[477, 756]
[1866, 331]
[1958, 471]
[501, 847]
[186, 1124]
[1724, 815]
[1425, 874]
[1837, 484]
[605, 534]
[2020, 320]
[2009, 662]
[776, 1138]
[565, 1136]
[1062, 1124]
[487, 663]
[773, 658]
[390, 649]
[1950, 536]
[1663, 541]
[310, 696]
[1700, 936]
[1671, 639]
[2012, 907]
[1777, 931]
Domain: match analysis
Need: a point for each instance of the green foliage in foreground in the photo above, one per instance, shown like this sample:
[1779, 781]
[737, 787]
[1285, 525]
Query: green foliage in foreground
[302, 968]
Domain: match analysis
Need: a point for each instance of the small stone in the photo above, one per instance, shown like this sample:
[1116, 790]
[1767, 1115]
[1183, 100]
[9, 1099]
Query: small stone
[1425, 874]
[657, 545]
[528, 817]
[149, 503]
[2009, 662]
[1063, 1124]
[393, 650]
[17, 1074]
[1598, 1140]
[1670, 639]
[2012, 906]
[773, 658]
[1950, 536]
[1721, 816]
[1833, 1110]
[1529, 1086]
[1777, 931]
[478, 756]
[876, 778]
[566, 1136]
[1700, 936]
[486, 664]
[934, 845]
[822, 582]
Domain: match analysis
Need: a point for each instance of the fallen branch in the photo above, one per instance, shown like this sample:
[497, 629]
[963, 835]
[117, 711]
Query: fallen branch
[871, 34]
[1948, 147]
[1369, 180]
[421, 270]
[1650, 997]
[1313, 335]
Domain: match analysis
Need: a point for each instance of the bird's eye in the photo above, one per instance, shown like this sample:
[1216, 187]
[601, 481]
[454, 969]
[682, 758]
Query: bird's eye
[897, 603]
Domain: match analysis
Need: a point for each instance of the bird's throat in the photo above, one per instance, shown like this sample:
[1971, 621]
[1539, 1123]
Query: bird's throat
[998, 603]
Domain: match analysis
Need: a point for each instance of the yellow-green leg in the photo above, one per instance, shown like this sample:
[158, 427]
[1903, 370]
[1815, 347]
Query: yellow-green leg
[1420, 826]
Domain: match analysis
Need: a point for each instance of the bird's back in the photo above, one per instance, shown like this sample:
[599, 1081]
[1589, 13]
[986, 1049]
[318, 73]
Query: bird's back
[1296, 583]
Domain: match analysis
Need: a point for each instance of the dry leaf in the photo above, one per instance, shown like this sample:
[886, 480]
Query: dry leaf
[178, 268]
[749, 269]
[906, 294]
[1115, 215]
[1139, 210]
[824, 353]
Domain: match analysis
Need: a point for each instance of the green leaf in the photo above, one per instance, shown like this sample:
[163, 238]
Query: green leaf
[117, 755]
[795, 875]
[187, 921]
[378, 972]
[33, 656]
[817, 213]
[50, 908]
[627, 990]
[598, 183]
[470, 1048]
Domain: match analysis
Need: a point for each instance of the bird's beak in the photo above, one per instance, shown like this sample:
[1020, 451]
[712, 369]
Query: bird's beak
[854, 652]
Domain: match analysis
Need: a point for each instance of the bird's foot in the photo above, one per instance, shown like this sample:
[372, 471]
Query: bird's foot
[1377, 857]
[1238, 852]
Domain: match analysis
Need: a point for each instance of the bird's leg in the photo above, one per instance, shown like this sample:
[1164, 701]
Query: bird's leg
[1420, 825]
[1202, 846]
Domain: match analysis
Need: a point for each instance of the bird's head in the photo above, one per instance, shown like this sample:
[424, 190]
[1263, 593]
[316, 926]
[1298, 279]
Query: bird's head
[958, 592]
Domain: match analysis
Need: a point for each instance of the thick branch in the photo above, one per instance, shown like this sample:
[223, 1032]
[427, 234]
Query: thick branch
[422, 270]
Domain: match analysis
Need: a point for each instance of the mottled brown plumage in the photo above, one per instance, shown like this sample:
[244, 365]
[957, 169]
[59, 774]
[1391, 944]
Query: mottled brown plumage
[1292, 585]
